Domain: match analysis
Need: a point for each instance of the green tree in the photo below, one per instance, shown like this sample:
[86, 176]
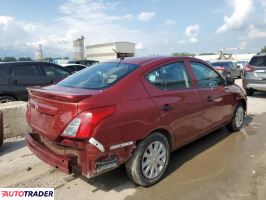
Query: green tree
[263, 50]
[183, 54]
[206, 54]
[9, 59]
[24, 59]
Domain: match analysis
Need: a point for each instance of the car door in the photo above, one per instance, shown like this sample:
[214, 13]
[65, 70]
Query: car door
[53, 73]
[179, 104]
[213, 93]
[25, 75]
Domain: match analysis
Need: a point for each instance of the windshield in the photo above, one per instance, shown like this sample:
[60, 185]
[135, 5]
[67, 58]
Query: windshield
[98, 76]
[259, 61]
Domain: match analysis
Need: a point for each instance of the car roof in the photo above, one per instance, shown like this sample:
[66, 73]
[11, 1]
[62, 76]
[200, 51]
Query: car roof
[142, 60]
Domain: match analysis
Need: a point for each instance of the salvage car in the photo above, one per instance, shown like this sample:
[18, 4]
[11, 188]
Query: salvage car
[254, 79]
[16, 76]
[134, 111]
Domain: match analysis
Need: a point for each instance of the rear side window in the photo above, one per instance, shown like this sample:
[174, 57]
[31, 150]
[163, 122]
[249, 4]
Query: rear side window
[98, 76]
[5, 69]
[206, 77]
[170, 77]
[25, 70]
[53, 71]
[259, 61]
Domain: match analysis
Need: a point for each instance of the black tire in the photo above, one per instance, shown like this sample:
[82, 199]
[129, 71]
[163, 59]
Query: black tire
[5, 99]
[232, 126]
[249, 92]
[134, 164]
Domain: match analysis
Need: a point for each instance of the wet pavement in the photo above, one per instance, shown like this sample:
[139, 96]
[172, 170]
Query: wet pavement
[221, 165]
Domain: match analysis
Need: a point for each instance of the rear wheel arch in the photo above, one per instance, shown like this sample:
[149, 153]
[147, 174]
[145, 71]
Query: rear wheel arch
[164, 132]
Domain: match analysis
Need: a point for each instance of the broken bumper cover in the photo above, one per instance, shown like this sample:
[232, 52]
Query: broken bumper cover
[63, 163]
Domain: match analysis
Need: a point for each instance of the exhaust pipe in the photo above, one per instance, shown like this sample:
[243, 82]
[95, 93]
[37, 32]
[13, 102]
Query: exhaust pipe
[1, 128]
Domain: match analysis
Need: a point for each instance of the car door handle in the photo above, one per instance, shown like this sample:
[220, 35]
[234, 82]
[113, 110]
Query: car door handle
[209, 98]
[166, 107]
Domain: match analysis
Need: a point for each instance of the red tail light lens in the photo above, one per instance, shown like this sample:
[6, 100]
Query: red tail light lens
[89, 120]
[219, 68]
[248, 68]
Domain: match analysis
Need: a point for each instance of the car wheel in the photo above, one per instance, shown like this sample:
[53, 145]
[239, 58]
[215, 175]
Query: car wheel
[249, 92]
[238, 118]
[5, 99]
[149, 161]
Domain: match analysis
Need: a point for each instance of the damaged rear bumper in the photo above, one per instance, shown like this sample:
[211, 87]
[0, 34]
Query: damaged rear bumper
[63, 163]
[77, 157]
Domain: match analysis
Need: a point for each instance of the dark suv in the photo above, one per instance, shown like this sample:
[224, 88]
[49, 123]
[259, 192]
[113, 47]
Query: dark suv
[254, 78]
[16, 76]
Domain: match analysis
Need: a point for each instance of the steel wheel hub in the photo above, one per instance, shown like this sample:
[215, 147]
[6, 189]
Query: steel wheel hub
[154, 160]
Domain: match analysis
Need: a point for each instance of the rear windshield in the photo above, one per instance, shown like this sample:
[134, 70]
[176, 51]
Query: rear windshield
[259, 61]
[223, 64]
[98, 76]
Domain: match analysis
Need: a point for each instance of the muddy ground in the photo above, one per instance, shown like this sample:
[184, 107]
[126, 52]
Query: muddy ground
[221, 165]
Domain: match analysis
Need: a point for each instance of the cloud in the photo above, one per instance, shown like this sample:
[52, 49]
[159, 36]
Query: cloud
[256, 33]
[146, 16]
[169, 22]
[243, 45]
[5, 20]
[140, 45]
[242, 10]
[191, 34]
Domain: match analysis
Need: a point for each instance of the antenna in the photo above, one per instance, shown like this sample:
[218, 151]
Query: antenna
[121, 58]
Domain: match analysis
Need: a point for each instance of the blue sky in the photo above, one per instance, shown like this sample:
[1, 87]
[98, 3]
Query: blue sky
[156, 26]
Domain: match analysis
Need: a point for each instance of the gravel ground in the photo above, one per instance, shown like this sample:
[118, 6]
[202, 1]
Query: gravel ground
[218, 166]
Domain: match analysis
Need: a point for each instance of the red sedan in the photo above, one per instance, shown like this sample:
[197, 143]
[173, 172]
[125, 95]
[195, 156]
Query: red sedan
[133, 111]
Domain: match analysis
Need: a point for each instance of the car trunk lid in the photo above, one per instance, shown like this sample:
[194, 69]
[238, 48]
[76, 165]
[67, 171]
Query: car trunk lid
[51, 108]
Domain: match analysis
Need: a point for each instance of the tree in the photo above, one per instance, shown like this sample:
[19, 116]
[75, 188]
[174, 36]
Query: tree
[9, 59]
[24, 59]
[263, 50]
[183, 54]
[206, 54]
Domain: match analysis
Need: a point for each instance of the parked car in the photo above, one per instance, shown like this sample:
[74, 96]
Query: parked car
[254, 78]
[241, 64]
[16, 76]
[83, 62]
[227, 68]
[74, 67]
[133, 111]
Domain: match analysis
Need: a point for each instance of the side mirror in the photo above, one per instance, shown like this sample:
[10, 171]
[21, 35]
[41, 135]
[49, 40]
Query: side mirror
[230, 81]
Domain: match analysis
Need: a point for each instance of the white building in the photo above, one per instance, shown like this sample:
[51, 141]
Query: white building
[109, 51]
[235, 57]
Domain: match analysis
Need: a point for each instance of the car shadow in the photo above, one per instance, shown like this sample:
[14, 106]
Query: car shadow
[259, 95]
[118, 180]
[8, 147]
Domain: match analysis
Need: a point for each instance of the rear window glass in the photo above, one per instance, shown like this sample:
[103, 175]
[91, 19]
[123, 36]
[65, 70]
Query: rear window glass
[98, 76]
[259, 61]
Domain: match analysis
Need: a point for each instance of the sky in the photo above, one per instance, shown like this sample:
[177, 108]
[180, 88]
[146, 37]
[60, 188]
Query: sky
[158, 27]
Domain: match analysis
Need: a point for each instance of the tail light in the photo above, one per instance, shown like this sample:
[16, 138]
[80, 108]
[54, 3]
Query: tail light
[248, 68]
[85, 123]
[219, 68]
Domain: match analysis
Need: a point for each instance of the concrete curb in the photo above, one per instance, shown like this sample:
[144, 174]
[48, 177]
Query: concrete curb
[15, 123]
